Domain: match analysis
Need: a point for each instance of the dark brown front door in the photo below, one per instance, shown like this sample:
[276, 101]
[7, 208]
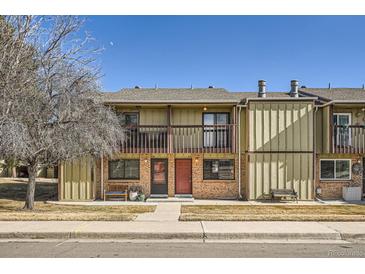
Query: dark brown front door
[159, 176]
[183, 176]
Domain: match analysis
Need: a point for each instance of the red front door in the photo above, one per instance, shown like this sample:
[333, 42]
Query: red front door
[183, 176]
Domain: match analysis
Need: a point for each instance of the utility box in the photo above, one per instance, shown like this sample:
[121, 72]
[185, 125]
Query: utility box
[351, 193]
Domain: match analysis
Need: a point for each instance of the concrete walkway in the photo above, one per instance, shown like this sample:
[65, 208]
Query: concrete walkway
[164, 212]
[172, 201]
[152, 230]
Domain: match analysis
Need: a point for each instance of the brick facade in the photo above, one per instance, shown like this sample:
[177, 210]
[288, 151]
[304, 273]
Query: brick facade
[333, 189]
[212, 189]
[201, 189]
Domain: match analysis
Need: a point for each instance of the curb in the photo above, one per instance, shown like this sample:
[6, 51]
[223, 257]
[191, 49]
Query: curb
[100, 235]
[183, 236]
[274, 236]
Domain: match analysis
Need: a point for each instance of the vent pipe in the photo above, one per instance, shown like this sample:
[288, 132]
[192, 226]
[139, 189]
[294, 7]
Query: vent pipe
[294, 91]
[262, 89]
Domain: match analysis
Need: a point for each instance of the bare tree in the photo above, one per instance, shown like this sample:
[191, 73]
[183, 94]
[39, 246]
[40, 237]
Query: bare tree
[51, 108]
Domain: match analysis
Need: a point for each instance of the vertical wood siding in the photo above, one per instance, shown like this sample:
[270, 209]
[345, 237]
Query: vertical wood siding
[76, 180]
[280, 146]
[280, 171]
[280, 126]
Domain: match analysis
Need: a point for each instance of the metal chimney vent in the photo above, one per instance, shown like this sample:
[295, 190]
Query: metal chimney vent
[294, 90]
[262, 88]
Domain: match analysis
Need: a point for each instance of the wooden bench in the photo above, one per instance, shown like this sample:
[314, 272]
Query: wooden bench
[116, 191]
[284, 193]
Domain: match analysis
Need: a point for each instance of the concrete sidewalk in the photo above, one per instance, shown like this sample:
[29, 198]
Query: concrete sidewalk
[319, 231]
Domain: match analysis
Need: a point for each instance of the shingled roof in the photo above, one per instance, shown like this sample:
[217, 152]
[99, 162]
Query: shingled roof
[332, 94]
[164, 95]
[182, 95]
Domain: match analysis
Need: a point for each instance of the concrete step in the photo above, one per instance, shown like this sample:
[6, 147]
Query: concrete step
[170, 200]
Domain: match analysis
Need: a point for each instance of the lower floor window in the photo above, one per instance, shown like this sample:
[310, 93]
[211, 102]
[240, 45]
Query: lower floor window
[124, 169]
[335, 169]
[218, 170]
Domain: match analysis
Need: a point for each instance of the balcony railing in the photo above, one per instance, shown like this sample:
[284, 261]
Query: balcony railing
[179, 139]
[348, 139]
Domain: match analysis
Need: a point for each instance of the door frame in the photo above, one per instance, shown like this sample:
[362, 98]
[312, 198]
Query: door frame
[363, 178]
[166, 172]
[191, 172]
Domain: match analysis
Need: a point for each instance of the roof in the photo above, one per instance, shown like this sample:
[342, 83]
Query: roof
[183, 95]
[221, 96]
[332, 94]
[172, 95]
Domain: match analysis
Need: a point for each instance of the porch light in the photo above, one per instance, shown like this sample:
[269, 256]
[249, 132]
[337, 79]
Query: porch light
[205, 108]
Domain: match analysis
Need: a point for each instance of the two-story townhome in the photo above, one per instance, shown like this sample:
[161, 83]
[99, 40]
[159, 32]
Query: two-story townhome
[209, 143]
[340, 139]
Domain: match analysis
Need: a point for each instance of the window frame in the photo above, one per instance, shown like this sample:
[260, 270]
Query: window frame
[215, 131]
[125, 178]
[334, 167]
[218, 179]
[131, 112]
[337, 114]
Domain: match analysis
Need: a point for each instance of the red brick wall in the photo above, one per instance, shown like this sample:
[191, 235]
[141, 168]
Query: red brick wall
[212, 189]
[331, 190]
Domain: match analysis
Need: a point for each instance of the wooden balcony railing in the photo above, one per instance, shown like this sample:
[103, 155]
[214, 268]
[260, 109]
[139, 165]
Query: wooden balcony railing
[348, 139]
[179, 139]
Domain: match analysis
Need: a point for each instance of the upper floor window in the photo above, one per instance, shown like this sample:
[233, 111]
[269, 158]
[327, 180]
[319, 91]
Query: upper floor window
[129, 118]
[342, 133]
[216, 131]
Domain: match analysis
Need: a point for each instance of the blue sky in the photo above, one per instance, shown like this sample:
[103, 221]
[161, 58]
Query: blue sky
[230, 51]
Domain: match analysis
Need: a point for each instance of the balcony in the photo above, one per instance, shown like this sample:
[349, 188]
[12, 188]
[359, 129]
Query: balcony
[348, 139]
[179, 139]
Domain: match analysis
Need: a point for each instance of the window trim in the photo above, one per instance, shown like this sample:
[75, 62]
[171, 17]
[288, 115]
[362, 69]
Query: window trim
[234, 170]
[335, 179]
[349, 114]
[214, 124]
[132, 112]
[119, 178]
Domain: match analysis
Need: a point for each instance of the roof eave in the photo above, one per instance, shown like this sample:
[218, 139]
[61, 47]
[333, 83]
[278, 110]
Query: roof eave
[172, 102]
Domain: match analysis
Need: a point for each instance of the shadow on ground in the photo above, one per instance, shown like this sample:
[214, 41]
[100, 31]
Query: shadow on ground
[16, 190]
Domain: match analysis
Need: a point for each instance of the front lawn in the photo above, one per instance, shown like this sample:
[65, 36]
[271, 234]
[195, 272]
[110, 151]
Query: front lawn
[12, 194]
[272, 213]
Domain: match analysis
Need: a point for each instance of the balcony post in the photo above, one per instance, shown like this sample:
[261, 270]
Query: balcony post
[169, 133]
[233, 128]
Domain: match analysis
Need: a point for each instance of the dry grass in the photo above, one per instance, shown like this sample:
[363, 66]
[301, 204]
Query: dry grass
[12, 195]
[273, 213]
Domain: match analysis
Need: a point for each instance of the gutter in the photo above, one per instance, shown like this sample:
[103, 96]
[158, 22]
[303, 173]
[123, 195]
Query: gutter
[342, 102]
[162, 102]
[281, 99]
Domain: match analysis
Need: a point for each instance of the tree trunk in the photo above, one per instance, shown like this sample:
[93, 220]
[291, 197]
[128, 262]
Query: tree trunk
[13, 172]
[29, 199]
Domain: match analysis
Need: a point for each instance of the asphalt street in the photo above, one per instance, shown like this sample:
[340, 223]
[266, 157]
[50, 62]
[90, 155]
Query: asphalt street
[110, 249]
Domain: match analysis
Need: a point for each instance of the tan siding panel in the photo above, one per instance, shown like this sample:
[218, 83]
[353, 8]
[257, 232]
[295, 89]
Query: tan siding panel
[280, 170]
[326, 129]
[153, 116]
[282, 126]
[76, 181]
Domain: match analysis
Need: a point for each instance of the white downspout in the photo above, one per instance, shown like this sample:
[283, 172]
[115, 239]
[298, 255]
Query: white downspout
[102, 177]
[239, 152]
